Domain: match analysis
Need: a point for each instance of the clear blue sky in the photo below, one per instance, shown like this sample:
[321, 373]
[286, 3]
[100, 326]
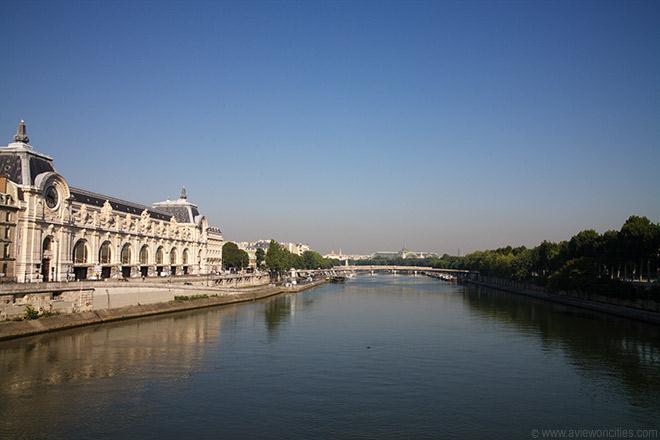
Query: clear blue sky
[361, 125]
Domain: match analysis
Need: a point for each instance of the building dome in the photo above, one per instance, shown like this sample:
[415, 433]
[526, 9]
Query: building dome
[20, 163]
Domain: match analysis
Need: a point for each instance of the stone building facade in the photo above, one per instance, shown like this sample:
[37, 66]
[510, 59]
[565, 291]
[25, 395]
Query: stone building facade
[215, 243]
[8, 216]
[66, 233]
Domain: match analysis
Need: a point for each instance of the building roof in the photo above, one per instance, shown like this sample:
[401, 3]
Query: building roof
[90, 198]
[181, 209]
[182, 214]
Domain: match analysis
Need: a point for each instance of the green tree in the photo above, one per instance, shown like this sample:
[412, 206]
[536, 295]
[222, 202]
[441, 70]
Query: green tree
[546, 255]
[260, 256]
[233, 257]
[313, 260]
[638, 241]
[584, 244]
[276, 260]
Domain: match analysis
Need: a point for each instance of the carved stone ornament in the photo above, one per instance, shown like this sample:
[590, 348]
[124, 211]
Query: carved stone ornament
[49, 215]
[145, 222]
[127, 223]
[82, 216]
[174, 228]
[106, 215]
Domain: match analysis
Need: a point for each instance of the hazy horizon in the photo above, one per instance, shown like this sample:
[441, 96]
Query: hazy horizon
[363, 126]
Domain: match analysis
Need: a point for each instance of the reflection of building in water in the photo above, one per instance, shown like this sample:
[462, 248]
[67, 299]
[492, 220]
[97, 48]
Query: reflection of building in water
[64, 232]
[170, 346]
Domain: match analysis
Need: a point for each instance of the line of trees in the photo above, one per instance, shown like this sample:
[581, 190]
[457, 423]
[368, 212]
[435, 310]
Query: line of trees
[632, 253]
[599, 263]
[276, 259]
[279, 259]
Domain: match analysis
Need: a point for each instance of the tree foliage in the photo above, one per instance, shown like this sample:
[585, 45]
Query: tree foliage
[588, 260]
[279, 259]
[260, 256]
[233, 257]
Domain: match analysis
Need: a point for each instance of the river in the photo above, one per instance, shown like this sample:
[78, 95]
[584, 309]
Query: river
[380, 357]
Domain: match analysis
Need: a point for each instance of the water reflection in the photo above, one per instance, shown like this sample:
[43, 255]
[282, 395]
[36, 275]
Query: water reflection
[597, 344]
[166, 346]
[278, 311]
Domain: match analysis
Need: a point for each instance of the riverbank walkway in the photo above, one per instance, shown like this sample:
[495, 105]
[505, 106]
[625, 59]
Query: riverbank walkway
[198, 298]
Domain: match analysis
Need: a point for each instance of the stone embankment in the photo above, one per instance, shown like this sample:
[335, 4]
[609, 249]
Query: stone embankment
[647, 311]
[210, 297]
[86, 296]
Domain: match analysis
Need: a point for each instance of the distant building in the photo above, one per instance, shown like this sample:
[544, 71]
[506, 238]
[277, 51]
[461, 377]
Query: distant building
[251, 249]
[253, 245]
[403, 253]
[386, 254]
[252, 258]
[214, 249]
[340, 256]
[294, 248]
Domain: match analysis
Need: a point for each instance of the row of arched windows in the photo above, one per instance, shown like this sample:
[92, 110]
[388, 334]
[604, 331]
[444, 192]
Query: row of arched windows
[81, 255]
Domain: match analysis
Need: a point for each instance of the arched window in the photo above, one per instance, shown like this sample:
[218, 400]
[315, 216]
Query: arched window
[159, 255]
[126, 254]
[48, 244]
[80, 252]
[105, 255]
[173, 257]
[144, 255]
[185, 257]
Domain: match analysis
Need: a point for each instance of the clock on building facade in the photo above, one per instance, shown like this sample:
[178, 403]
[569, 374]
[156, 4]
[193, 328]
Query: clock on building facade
[52, 197]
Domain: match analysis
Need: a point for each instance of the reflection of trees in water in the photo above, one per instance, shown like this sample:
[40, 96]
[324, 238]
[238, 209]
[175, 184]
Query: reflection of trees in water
[280, 308]
[277, 311]
[168, 345]
[598, 344]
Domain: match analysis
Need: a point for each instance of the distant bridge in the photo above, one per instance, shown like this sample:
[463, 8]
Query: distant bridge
[400, 269]
[461, 274]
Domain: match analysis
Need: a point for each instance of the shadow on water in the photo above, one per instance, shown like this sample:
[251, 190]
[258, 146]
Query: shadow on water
[596, 343]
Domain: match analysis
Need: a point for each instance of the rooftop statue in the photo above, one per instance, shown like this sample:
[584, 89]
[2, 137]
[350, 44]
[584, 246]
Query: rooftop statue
[21, 133]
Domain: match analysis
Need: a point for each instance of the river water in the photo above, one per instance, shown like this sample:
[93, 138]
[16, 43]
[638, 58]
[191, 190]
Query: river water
[379, 357]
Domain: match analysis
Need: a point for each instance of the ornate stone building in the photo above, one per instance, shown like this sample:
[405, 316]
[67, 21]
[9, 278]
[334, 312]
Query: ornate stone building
[8, 215]
[64, 233]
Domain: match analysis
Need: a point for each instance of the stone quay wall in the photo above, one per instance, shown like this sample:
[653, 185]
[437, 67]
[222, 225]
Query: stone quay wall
[85, 296]
[641, 310]
[17, 329]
